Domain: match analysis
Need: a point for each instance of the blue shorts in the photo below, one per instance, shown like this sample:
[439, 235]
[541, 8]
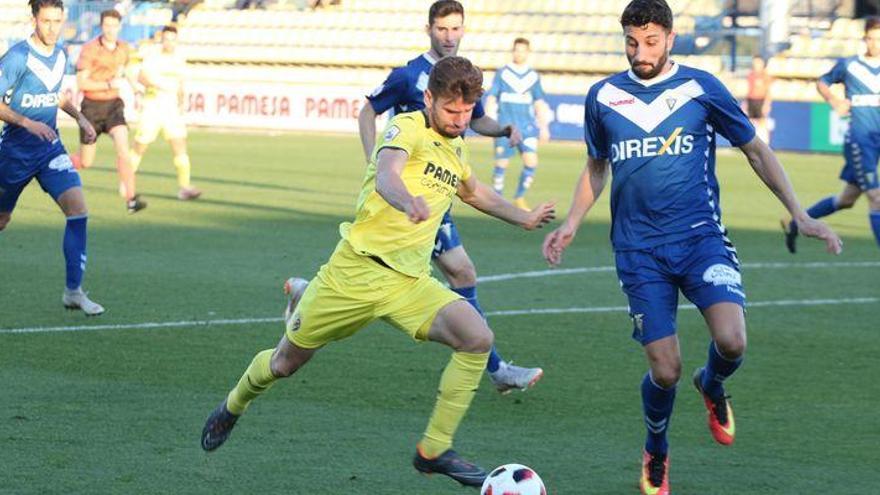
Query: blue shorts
[860, 168]
[55, 174]
[447, 236]
[504, 150]
[705, 269]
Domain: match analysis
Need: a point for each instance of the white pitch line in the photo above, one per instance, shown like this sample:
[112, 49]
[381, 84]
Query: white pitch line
[600, 269]
[515, 312]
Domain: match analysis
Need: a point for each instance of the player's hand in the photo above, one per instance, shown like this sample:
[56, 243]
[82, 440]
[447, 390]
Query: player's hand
[89, 134]
[40, 130]
[841, 106]
[556, 242]
[811, 227]
[417, 210]
[515, 136]
[540, 215]
[544, 135]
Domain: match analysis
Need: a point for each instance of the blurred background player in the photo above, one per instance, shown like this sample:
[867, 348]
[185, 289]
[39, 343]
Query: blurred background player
[654, 127]
[758, 99]
[30, 77]
[99, 72]
[162, 74]
[380, 269]
[403, 91]
[860, 76]
[518, 99]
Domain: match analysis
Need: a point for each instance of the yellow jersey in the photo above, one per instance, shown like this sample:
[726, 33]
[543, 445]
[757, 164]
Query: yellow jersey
[435, 166]
[167, 71]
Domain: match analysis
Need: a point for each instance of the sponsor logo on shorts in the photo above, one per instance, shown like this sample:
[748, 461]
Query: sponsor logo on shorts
[719, 274]
[638, 321]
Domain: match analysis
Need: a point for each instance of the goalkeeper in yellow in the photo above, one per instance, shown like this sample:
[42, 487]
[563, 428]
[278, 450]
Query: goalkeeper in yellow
[381, 269]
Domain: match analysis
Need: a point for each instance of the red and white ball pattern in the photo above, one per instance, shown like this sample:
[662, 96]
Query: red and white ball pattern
[513, 479]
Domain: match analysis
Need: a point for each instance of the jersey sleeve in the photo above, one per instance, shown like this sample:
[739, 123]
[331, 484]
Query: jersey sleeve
[389, 92]
[538, 91]
[726, 114]
[11, 69]
[479, 112]
[594, 134]
[837, 74]
[403, 132]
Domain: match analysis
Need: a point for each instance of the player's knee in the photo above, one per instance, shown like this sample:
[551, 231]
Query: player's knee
[480, 342]
[732, 345]
[4, 220]
[845, 202]
[666, 376]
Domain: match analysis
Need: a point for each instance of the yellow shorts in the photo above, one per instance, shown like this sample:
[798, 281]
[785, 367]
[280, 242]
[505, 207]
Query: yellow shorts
[352, 290]
[160, 114]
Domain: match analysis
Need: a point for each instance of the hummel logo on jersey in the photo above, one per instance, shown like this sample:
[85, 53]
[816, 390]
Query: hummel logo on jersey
[674, 144]
[41, 100]
[628, 101]
[441, 174]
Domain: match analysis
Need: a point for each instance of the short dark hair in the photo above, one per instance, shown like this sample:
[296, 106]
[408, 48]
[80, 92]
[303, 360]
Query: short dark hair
[111, 13]
[872, 23]
[169, 29]
[522, 41]
[443, 8]
[456, 77]
[643, 12]
[36, 5]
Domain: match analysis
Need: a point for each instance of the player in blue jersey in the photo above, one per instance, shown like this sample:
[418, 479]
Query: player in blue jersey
[860, 75]
[403, 91]
[654, 127]
[30, 84]
[517, 96]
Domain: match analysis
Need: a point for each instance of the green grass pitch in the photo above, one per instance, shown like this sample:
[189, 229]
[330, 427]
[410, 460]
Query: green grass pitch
[120, 410]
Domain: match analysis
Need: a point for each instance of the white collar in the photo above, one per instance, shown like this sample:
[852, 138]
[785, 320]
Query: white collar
[42, 51]
[429, 58]
[656, 80]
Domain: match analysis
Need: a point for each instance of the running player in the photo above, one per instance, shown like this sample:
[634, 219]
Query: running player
[380, 268]
[162, 75]
[30, 78]
[655, 127]
[860, 75]
[403, 91]
[99, 75]
[519, 99]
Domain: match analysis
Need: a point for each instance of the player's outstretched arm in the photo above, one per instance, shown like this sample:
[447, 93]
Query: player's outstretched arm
[36, 128]
[483, 198]
[587, 191]
[389, 185]
[489, 127]
[367, 128]
[767, 167]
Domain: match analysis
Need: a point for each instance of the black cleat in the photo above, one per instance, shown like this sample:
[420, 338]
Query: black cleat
[791, 232]
[135, 204]
[218, 427]
[451, 464]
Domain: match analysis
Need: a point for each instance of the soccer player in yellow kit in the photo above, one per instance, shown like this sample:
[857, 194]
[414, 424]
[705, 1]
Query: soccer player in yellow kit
[381, 268]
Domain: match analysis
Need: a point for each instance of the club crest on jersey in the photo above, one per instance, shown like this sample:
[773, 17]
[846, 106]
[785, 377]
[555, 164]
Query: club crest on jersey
[392, 133]
[674, 144]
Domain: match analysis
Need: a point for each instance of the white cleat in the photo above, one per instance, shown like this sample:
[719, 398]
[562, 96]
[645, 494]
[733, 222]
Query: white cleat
[509, 377]
[77, 299]
[294, 287]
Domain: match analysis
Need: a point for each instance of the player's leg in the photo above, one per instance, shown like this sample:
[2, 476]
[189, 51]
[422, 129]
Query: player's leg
[133, 203]
[85, 158]
[529, 153]
[456, 266]
[503, 152]
[870, 184]
[183, 167]
[147, 132]
[10, 189]
[874, 212]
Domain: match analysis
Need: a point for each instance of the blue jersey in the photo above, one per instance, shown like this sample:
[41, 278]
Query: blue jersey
[659, 137]
[404, 89]
[516, 92]
[862, 83]
[30, 83]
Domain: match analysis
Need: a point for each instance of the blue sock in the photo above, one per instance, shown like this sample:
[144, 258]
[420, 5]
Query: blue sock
[875, 224]
[823, 208]
[525, 181]
[498, 179]
[75, 250]
[657, 403]
[470, 294]
[717, 369]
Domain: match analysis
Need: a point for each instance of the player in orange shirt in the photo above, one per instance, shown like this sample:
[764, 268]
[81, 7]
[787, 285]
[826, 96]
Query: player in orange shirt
[99, 75]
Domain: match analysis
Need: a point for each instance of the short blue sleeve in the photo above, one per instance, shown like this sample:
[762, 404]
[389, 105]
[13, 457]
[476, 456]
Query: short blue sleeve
[538, 91]
[725, 113]
[837, 74]
[479, 111]
[12, 65]
[594, 134]
[390, 92]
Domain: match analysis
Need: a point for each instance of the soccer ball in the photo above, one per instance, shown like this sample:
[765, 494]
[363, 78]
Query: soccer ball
[513, 479]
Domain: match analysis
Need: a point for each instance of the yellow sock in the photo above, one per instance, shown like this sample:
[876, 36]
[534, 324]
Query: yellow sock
[457, 388]
[134, 160]
[256, 380]
[181, 162]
